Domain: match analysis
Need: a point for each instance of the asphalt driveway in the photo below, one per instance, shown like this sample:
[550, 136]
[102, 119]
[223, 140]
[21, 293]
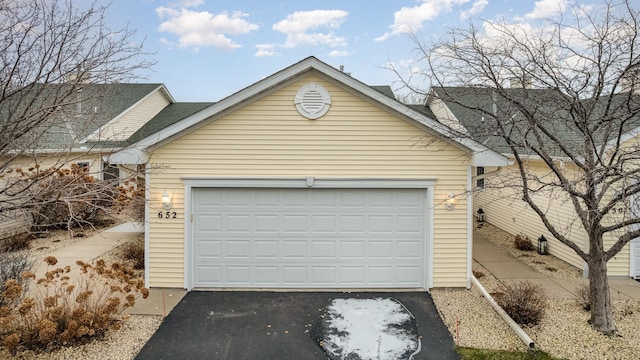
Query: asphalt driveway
[273, 325]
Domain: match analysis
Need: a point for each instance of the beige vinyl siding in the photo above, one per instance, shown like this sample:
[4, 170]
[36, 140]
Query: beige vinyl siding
[504, 208]
[443, 114]
[130, 121]
[269, 139]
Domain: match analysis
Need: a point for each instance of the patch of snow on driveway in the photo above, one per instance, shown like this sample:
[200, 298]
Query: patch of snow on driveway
[366, 329]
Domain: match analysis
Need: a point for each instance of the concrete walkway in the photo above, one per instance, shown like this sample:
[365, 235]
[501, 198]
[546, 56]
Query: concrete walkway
[91, 248]
[508, 268]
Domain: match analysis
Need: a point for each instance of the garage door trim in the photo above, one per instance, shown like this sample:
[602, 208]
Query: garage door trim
[307, 182]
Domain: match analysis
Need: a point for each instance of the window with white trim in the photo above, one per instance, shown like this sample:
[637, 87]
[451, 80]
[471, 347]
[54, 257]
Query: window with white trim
[480, 182]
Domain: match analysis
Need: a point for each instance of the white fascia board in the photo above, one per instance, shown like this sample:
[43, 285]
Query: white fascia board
[489, 158]
[128, 156]
[161, 87]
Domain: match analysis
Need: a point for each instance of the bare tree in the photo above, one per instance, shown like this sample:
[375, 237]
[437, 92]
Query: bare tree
[563, 93]
[57, 61]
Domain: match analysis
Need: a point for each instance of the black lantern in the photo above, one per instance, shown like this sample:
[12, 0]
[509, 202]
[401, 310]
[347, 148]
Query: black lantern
[480, 215]
[542, 245]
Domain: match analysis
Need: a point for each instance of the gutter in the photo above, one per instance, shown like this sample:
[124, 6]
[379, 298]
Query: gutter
[512, 324]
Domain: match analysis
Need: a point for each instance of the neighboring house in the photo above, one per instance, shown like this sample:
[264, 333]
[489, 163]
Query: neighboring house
[89, 125]
[306, 179]
[496, 189]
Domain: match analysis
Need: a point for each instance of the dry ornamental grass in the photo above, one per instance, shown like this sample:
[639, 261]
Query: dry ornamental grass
[64, 308]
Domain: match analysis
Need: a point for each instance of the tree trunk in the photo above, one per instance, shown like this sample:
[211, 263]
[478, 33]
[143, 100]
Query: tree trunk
[600, 296]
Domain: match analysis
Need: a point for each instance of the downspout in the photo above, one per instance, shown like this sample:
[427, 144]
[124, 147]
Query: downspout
[147, 211]
[469, 226]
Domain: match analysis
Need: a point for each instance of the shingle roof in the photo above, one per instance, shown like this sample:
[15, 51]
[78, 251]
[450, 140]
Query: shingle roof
[385, 89]
[476, 107]
[168, 116]
[79, 111]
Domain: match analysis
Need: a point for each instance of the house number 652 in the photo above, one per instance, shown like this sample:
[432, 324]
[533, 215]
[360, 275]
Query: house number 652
[167, 215]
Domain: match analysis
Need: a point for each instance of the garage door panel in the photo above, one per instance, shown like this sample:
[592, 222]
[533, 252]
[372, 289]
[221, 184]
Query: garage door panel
[266, 223]
[306, 238]
[353, 224]
[267, 275]
[294, 249]
[267, 249]
[294, 224]
[409, 224]
[208, 222]
[210, 275]
[323, 223]
[323, 250]
[209, 249]
[238, 223]
[352, 250]
[294, 275]
[381, 224]
[237, 198]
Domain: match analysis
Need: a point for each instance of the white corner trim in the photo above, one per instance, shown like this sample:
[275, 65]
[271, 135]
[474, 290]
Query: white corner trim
[147, 218]
[469, 226]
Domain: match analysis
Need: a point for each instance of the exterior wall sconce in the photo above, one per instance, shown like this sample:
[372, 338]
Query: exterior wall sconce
[450, 203]
[166, 201]
[542, 245]
[480, 215]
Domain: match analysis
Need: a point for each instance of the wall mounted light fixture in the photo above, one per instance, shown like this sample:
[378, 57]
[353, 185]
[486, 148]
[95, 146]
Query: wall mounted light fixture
[450, 202]
[166, 201]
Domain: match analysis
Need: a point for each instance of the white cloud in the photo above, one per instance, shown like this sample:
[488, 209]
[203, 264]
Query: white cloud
[339, 53]
[410, 19]
[547, 8]
[313, 27]
[477, 8]
[201, 28]
[265, 50]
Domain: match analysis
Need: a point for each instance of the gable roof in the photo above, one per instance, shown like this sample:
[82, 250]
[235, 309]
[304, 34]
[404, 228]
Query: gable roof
[78, 110]
[480, 153]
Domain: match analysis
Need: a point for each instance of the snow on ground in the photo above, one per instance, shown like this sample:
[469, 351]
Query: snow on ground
[369, 328]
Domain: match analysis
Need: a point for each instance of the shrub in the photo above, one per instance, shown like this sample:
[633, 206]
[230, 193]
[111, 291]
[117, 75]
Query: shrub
[67, 197]
[523, 301]
[134, 251]
[17, 241]
[584, 298]
[131, 200]
[67, 307]
[11, 267]
[522, 242]
[478, 274]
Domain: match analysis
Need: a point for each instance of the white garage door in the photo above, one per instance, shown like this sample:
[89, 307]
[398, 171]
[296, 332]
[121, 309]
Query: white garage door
[309, 238]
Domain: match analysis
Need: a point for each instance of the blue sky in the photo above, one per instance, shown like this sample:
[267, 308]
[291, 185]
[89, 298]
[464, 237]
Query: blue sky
[208, 49]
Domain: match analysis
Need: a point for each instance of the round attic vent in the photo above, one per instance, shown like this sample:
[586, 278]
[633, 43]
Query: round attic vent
[312, 100]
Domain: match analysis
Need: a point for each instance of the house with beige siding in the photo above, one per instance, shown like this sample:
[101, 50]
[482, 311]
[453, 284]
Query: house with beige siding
[89, 123]
[307, 179]
[498, 190]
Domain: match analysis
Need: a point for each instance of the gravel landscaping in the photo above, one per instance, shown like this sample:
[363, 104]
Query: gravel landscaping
[563, 332]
